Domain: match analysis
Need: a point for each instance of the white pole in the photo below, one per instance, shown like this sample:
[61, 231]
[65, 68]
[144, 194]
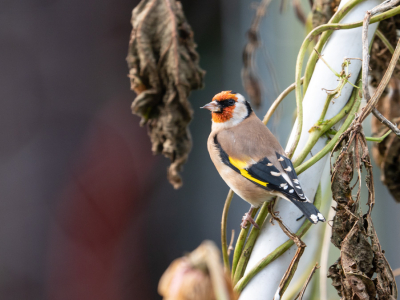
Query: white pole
[342, 44]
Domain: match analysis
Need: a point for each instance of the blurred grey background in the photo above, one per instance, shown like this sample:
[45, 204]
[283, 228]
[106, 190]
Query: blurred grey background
[86, 211]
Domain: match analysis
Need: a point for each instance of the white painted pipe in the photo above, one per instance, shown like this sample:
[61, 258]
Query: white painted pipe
[342, 44]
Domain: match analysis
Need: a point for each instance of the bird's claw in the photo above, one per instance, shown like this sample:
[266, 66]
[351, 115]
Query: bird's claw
[248, 219]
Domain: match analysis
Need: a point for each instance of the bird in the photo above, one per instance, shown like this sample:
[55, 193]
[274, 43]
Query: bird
[250, 159]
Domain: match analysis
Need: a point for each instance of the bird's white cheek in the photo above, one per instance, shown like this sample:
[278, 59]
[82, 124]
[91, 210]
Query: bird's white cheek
[240, 112]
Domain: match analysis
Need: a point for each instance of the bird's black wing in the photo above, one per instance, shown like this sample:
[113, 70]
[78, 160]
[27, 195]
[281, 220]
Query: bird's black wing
[265, 175]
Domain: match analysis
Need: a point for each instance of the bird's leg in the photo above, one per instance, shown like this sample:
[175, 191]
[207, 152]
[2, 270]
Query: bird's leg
[247, 218]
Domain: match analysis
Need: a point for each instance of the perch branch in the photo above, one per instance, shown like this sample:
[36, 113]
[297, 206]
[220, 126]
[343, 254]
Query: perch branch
[365, 69]
[245, 255]
[287, 277]
[278, 101]
[303, 290]
[224, 244]
[278, 251]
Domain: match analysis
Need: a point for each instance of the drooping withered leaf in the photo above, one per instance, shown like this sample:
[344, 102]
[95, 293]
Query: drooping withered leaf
[163, 69]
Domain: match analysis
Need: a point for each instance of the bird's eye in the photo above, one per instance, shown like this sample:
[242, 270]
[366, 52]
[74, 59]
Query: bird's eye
[231, 102]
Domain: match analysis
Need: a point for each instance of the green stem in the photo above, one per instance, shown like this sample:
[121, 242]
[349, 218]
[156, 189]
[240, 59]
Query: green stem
[368, 138]
[278, 251]
[240, 243]
[321, 128]
[378, 139]
[325, 109]
[314, 57]
[385, 41]
[278, 101]
[300, 169]
[224, 243]
[330, 27]
[324, 37]
[254, 233]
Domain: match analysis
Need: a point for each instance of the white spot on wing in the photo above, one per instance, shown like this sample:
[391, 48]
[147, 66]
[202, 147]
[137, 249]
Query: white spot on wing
[299, 187]
[269, 164]
[321, 217]
[314, 218]
[275, 173]
[288, 169]
[286, 177]
[291, 191]
[281, 158]
[295, 181]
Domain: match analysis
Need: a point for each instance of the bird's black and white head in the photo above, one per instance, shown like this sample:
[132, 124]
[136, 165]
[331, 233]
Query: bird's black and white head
[228, 109]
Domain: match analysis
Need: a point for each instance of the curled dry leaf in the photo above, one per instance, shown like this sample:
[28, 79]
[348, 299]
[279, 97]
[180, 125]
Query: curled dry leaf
[163, 69]
[197, 276]
[299, 11]
[250, 78]
[362, 271]
[386, 153]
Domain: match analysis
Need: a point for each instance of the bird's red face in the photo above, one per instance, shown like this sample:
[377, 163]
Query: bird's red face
[225, 102]
[228, 107]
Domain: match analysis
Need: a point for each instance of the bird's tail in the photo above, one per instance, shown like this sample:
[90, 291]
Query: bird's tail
[310, 211]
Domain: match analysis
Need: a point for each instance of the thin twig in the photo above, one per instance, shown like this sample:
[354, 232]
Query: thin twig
[230, 248]
[365, 51]
[385, 121]
[323, 287]
[378, 139]
[384, 40]
[365, 69]
[287, 277]
[278, 101]
[371, 102]
[303, 290]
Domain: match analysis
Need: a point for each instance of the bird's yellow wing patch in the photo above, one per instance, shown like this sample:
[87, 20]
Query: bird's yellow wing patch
[241, 165]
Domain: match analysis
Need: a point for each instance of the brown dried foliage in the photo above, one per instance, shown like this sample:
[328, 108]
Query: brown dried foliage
[361, 256]
[197, 276]
[380, 54]
[163, 69]
[386, 153]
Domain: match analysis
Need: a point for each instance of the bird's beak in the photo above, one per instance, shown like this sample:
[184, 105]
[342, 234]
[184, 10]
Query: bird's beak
[212, 106]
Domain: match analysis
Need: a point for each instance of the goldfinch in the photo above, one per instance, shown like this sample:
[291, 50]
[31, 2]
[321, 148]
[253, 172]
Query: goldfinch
[250, 159]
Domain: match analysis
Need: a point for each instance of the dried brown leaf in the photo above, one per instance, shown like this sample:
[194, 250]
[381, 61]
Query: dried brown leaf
[380, 55]
[386, 153]
[163, 69]
[361, 257]
[250, 79]
[197, 276]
